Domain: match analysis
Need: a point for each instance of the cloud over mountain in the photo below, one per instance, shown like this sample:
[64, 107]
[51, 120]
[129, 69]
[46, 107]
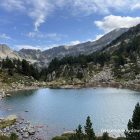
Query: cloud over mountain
[111, 22]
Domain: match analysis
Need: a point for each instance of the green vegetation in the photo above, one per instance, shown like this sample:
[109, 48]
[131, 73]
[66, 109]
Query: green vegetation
[90, 135]
[13, 136]
[123, 59]
[121, 56]
[60, 138]
[105, 136]
[126, 52]
[133, 132]
[82, 60]
[20, 67]
[5, 123]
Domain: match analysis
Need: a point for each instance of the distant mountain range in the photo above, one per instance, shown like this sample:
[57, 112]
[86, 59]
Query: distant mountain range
[43, 58]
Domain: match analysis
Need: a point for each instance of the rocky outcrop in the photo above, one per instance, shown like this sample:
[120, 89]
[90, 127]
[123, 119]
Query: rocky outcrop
[105, 75]
[23, 83]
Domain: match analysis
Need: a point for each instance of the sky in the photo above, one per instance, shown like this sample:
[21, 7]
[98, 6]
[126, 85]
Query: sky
[43, 24]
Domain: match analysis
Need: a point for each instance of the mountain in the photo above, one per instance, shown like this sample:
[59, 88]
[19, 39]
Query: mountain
[43, 58]
[5, 51]
[117, 63]
[30, 55]
[113, 59]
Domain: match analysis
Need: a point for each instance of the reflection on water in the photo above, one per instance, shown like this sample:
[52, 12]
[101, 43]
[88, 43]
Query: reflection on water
[63, 109]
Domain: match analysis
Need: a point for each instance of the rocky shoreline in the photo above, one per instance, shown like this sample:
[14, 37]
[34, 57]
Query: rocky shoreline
[7, 92]
[23, 129]
[135, 87]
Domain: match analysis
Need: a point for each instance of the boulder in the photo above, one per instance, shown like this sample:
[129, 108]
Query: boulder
[26, 135]
[31, 130]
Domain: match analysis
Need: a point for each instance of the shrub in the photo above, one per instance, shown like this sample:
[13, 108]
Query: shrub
[60, 138]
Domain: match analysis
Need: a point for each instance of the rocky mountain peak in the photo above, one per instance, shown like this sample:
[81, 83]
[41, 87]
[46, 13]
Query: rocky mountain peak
[5, 51]
[4, 48]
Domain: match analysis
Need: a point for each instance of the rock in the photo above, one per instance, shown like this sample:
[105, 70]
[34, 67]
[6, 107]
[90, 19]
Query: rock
[2, 94]
[123, 70]
[31, 130]
[26, 135]
[8, 95]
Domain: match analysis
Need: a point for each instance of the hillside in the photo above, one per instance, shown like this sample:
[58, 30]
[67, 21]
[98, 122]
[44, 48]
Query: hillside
[115, 60]
[18, 75]
[117, 63]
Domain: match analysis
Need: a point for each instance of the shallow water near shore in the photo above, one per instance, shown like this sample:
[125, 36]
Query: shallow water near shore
[60, 110]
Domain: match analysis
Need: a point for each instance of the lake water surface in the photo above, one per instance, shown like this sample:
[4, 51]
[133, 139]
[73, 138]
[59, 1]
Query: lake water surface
[61, 110]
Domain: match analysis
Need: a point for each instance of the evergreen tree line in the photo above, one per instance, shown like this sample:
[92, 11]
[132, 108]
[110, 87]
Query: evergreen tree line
[19, 66]
[125, 49]
[118, 57]
[82, 60]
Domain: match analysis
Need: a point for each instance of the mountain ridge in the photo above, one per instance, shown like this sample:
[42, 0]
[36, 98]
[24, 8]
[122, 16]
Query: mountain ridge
[43, 58]
[82, 48]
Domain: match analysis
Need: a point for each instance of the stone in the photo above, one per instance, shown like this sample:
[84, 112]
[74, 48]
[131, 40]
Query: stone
[25, 135]
[31, 130]
[8, 95]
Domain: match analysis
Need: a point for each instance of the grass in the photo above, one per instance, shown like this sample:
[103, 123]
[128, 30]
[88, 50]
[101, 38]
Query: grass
[6, 123]
[13, 136]
[67, 136]
[4, 138]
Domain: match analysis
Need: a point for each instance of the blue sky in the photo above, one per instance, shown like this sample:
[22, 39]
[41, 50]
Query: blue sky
[46, 23]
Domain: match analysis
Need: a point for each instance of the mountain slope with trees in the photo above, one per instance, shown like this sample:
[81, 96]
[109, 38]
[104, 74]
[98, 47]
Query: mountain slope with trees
[118, 62]
[18, 74]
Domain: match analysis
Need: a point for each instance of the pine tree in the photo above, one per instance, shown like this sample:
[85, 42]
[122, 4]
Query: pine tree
[105, 136]
[25, 67]
[13, 136]
[89, 130]
[79, 133]
[133, 132]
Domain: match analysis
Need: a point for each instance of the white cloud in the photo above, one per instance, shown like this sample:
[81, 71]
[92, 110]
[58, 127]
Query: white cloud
[100, 6]
[111, 22]
[28, 47]
[44, 47]
[136, 6]
[39, 10]
[5, 36]
[99, 36]
[51, 36]
[13, 4]
[35, 47]
[75, 42]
